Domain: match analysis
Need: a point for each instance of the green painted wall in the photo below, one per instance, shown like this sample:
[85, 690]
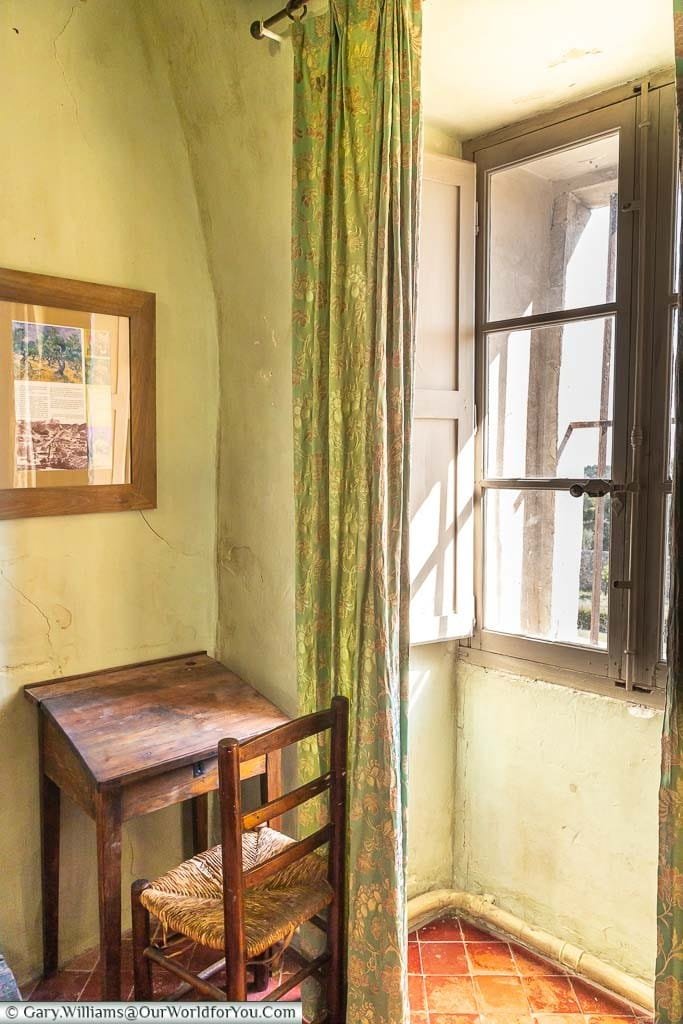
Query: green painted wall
[556, 810]
[234, 98]
[95, 184]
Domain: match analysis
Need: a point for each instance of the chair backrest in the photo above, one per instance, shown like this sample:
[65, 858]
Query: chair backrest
[231, 754]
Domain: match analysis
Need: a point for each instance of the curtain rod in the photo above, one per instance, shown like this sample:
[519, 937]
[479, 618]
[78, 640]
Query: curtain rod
[262, 29]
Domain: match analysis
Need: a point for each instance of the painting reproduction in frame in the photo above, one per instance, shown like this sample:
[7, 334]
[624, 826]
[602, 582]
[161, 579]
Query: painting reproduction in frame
[77, 397]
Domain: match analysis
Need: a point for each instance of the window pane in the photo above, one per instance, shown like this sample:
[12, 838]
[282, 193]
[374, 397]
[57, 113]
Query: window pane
[677, 237]
[667, 575]
[549, 401]
[553, 231]
[546, 570]
[671, 425]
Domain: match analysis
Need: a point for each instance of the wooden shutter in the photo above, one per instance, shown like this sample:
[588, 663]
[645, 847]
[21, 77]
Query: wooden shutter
[442, 482]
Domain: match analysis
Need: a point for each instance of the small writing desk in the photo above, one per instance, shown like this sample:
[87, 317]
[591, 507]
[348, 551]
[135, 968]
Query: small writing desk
[128, 741]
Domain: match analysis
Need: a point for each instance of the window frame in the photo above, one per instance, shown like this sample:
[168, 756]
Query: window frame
[622, 108]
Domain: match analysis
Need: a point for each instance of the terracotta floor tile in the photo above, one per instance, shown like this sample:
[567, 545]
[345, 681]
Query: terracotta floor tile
[444, 958]
[444, 929]
[471, 933]
[506, 1018]
[491, 958]
[593, 1000]
[501, 993]
[419, 1018]
[84, 962]
[416, 992]
[531, 966]
[414, 961]
[454, 995]
[605, 1018]
[454, 1018]
[64, 987]
[551, 995]
[560, 1018]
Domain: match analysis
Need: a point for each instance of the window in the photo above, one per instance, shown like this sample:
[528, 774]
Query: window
[577, 290]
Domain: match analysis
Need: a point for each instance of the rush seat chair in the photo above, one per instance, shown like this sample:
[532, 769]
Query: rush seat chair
[247, 896]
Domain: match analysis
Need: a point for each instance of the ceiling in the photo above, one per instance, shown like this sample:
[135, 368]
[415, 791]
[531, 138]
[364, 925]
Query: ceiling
[490, 63]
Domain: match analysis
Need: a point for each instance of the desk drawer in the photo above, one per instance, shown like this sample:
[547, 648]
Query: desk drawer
[179, 784]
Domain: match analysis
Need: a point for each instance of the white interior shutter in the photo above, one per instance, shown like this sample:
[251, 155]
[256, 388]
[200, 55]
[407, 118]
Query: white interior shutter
[442, 470]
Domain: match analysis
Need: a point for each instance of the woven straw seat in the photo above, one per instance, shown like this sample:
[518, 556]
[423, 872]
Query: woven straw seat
[189, 898]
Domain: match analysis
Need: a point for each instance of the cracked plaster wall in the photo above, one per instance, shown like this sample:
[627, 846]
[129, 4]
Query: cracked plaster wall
[234, 97]
[96, 185]
[556, 805]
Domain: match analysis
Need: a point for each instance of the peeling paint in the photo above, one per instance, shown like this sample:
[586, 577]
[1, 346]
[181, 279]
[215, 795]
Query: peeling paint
[63, 616]
[574, 54]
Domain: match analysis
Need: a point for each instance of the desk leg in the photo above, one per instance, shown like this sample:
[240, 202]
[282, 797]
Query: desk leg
[200, 822]
[49, 824]
[108, 825]
[271, 782]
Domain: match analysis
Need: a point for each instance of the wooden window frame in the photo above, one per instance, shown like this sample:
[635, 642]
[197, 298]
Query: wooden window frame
[575, 665]
[139, 307]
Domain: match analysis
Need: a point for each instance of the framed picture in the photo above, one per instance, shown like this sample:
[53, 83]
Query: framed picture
[77, 397]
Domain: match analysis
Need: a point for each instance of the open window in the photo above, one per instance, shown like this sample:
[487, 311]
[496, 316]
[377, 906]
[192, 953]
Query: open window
[564, 531]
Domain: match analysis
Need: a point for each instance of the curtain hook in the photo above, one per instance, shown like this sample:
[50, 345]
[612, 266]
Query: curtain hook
[293, 5]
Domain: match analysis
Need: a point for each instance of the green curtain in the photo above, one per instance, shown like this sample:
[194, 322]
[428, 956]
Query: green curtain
[357, 154]
[669, 971]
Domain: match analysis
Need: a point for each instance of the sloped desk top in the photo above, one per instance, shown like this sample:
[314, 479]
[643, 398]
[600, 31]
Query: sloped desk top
[128, 723]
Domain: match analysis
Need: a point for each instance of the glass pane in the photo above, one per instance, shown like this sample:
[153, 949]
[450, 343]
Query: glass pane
[553, 231]
[677, 234]
[549, 401]
[671, 425]
[546, 572]
[667, 576]
[69, 410]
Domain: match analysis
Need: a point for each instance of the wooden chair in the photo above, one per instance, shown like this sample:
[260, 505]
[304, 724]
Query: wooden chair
[253, 891]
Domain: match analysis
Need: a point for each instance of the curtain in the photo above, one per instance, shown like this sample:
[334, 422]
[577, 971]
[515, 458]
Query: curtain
[669, 970]
[357, 154]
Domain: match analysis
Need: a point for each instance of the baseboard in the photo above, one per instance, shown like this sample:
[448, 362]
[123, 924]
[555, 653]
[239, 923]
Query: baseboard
[425, 908]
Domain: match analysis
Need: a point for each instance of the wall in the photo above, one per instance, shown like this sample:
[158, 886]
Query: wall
[234, 98]
[96, 185]
[556, 810]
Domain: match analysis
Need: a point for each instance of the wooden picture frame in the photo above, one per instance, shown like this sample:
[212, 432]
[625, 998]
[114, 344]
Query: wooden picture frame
[135, 487]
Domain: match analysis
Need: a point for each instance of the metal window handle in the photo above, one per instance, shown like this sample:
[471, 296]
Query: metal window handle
[593, 488]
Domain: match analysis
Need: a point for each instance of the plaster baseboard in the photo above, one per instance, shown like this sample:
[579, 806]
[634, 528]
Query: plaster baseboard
[422, 909]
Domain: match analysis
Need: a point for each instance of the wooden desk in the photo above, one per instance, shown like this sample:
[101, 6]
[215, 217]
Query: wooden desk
[128, 741]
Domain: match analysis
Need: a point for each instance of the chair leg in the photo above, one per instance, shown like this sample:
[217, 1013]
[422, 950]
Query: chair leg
[336, 986]
[142, 967]
[261, 972]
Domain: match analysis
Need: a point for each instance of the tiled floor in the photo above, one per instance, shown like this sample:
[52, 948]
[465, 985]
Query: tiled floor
[457, 975]
[79, 980]
[461, 975]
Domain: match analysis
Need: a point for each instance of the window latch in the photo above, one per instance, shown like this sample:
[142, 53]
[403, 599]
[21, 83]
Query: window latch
[593, 488]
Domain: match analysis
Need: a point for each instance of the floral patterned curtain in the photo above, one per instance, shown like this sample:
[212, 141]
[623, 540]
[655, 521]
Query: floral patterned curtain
[669, 979]
[357, 154]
